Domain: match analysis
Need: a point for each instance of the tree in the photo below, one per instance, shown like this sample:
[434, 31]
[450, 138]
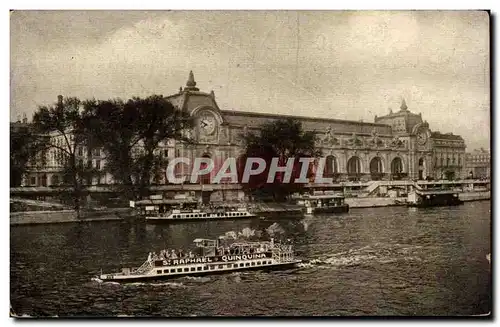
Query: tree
[24, 144]
[130, 133]
[283, 139]
[63, 124]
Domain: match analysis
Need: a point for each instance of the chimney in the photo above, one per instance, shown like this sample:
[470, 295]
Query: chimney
[60, 100]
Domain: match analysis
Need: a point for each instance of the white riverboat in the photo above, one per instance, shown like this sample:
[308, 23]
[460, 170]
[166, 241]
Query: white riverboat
[211, 258]
[178, 210]
[200, 214]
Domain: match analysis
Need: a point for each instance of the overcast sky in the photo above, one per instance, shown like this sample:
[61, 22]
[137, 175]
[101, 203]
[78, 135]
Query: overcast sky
[347, 65]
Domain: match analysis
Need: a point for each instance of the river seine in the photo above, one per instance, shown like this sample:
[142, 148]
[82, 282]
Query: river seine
[380, 261]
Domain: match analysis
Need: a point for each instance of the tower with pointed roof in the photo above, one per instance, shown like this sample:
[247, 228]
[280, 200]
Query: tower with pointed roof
[191, 83]
[404, 107]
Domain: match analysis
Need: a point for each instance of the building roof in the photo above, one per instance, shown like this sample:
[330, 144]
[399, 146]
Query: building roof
[255, 120]
[447, 136]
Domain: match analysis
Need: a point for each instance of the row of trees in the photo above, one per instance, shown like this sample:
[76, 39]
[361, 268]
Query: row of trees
[118, 127]
[115, 126]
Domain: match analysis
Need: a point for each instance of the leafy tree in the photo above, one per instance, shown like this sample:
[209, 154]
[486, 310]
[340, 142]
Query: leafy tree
[283, 139]
[24, 144]
[121, 128]
[63, 123]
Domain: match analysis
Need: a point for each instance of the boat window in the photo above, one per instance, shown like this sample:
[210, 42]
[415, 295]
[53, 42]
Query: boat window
[221, 266]
[179, 269]
[199, 268]
[193, 268]
[205, 268]
[158, 271]
[172, 270]
[247, 264]
[212, 267]
[186, 269]
[253, 263]
[235, 265]
[241, 265]
[165, 271]
[258, 262]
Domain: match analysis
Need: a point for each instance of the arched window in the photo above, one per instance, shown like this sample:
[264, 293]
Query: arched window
[354, 165]
[331, 166]
[376, 165]
[376, 168]
[396, 166]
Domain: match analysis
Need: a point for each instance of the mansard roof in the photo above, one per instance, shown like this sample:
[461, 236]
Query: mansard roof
[255, 120]
[447, 136]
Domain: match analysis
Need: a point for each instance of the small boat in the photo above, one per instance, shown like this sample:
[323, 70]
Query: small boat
[212, 258]
[327, 203]
[433, 198]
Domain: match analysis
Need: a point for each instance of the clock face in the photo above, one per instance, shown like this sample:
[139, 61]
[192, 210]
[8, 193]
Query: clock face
[207, 123]
[422, 138]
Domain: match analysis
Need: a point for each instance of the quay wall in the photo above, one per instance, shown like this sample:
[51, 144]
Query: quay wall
[370, 202]
[475, 196]
[64, 216]
[270, 209]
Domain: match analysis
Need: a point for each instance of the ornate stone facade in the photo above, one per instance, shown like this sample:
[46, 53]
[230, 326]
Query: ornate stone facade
[477, 164]
[398, 145]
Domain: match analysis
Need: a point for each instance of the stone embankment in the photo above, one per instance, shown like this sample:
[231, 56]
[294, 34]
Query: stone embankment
[262, 209]
[66, 216]
[275, 209]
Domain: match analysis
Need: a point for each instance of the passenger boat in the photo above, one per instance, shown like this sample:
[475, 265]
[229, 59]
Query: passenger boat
[327, 203]
[433, 198]
[189, 210]
[208, 213]
[212, 258]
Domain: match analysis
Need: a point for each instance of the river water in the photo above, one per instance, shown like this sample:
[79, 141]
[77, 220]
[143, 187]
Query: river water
[380, 261]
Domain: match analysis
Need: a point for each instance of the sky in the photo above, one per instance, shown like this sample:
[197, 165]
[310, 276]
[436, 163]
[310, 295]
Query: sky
[338, 64]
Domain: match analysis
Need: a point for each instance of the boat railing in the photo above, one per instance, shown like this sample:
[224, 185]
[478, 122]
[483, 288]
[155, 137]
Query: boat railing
[147, 265]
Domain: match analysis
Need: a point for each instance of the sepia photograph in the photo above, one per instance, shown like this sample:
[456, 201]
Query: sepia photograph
[250, 163]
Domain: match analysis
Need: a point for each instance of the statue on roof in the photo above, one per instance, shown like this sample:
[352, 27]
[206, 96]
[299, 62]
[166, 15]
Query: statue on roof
[329, 138]
[375, 139]
[355, 140]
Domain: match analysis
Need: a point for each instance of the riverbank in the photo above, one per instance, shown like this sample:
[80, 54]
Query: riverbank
[67, 216]
[270, 210]
[372, 202]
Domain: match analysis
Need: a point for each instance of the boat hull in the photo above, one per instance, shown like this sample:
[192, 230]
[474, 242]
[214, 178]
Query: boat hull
[332, 209]
[138, 278]
[430, 204]
[192, 219]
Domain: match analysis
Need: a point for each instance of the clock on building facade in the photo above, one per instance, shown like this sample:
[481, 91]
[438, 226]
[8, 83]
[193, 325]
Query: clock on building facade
[422, 137]
[207, 123]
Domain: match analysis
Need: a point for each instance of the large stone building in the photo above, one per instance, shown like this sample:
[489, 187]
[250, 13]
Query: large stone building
[398, 145]
[477, 164]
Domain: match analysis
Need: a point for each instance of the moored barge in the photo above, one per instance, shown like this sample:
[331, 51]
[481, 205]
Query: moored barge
[433, 198]
[327, 203]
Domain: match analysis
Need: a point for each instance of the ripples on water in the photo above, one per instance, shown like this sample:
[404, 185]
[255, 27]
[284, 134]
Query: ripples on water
[383, 261]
